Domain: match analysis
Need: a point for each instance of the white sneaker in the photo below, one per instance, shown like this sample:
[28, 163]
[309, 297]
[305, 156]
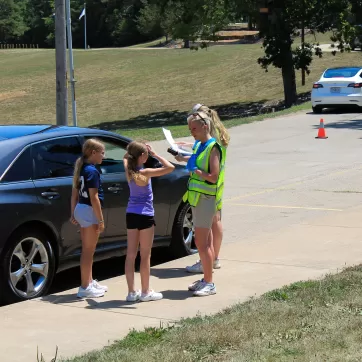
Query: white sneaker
[196, 285]
[205, 290]
[98, 286]
[134, 296]
[90, 292]
[151, 296]
[196, 268]
[217, 264]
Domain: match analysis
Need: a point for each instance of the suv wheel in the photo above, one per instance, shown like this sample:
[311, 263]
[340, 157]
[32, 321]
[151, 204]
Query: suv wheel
[28, 267]
[183, 233]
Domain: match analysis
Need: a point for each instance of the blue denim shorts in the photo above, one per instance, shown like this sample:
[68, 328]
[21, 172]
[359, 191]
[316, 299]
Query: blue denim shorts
[85, 215]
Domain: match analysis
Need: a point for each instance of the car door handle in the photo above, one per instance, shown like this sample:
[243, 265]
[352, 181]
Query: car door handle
[50, 195]
[115, 188]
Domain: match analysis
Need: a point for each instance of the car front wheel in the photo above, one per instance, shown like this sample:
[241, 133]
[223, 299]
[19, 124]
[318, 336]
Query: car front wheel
[183, 233]
[28, 267]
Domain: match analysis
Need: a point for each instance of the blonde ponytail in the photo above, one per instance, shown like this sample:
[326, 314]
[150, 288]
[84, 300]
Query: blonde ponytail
[77, 168]
[219, 131]
[223, 134]
[88, 147]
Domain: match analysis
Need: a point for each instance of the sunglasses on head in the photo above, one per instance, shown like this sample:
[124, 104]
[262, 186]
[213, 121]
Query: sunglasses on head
[198, 114]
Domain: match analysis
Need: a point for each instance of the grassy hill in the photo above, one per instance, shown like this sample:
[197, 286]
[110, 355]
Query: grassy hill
[119, 88]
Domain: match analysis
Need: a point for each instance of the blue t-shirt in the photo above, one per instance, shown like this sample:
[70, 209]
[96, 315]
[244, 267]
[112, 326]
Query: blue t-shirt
[90, 178]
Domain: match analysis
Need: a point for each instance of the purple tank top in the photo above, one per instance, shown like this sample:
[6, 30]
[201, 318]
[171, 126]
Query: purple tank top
[141, 199]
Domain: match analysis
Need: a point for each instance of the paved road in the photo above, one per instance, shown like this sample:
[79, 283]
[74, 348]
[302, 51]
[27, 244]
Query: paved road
[278, 173]
[292, 211]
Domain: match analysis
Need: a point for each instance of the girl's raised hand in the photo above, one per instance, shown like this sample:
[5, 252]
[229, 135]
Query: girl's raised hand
[150, 150]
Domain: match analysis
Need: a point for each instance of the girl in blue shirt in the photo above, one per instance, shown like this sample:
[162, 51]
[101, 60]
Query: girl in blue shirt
[86, 211]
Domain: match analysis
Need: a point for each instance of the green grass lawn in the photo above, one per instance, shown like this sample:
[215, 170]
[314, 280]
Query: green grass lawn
[306, 321]
[136, 91]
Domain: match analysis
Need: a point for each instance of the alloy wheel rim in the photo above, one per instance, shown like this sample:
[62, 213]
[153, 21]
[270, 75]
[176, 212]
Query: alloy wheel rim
[29, 268]
[188, 230]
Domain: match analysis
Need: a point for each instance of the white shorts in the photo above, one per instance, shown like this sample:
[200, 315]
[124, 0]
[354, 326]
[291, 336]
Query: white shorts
[85, 215]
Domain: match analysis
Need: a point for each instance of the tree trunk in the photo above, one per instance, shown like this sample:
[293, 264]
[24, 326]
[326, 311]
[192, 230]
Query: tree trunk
[290, 87]
[250, 23]
[186, 43]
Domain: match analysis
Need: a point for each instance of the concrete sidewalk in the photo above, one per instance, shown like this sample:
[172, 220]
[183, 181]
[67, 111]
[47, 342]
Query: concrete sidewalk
[299, 252]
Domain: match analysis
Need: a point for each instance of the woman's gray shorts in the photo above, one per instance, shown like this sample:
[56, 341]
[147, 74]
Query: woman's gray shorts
[85, 215]
[204, 211]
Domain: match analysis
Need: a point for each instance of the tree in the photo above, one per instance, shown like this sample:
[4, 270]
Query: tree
[40, 22]
[248, 8]
[185, 19]
[149, 20]
[215, 16]
[282, 24]
[12, 25]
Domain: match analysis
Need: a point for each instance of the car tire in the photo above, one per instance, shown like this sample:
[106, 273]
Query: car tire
[27, 268]
[317, 109]
[183, 240]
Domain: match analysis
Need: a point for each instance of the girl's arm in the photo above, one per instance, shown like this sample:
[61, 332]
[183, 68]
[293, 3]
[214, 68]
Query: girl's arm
[97, 208]
[73, 204]
[214, 167]
[167, 168]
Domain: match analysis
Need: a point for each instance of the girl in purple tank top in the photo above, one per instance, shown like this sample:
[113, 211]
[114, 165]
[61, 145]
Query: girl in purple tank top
[140, 217]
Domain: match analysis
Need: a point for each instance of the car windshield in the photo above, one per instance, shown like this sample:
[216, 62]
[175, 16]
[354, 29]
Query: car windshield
[341, 72]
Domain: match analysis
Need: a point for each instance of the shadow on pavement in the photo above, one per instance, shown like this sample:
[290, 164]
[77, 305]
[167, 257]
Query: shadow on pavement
[176, 117]
[109, 304]
[169, 273]
[340, 110]
[102, 270]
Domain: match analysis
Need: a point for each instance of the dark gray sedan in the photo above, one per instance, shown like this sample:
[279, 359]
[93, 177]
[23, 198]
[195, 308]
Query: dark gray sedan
[36, 237]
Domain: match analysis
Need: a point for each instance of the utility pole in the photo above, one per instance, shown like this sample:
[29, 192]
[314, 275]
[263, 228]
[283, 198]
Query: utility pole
[85, 27]
[303, 39]
[71, 63]
[61, 64]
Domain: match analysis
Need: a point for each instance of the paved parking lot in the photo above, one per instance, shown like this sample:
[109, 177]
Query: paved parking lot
[292, 211]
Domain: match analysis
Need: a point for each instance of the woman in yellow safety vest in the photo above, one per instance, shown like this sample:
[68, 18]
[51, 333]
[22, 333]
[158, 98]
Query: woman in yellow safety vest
[223, 138]
[206, 167]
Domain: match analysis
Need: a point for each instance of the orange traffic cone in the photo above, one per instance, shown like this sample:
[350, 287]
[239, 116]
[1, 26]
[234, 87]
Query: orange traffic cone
[321, 131]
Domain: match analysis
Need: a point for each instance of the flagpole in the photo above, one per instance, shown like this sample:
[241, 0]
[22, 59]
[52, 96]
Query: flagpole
[71, 64]
[85, 27]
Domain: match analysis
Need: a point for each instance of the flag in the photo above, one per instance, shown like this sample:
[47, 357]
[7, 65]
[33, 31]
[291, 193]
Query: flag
[82, 14]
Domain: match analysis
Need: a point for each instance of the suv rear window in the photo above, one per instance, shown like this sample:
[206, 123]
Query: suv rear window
[21, 170]
[341, 72]
[56, 158]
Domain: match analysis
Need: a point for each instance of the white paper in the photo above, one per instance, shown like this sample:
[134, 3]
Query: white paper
[172, 142]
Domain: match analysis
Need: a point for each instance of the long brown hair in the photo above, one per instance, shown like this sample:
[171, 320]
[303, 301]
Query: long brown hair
[222, 135]
[134, 151]
[88, 147]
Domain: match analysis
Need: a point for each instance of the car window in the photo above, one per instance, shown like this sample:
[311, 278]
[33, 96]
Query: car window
[21, 170]
[341, 72]
[115, 151]
[56, 158]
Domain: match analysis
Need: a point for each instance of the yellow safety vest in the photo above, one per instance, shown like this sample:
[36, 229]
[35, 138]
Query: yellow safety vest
[198, 186]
